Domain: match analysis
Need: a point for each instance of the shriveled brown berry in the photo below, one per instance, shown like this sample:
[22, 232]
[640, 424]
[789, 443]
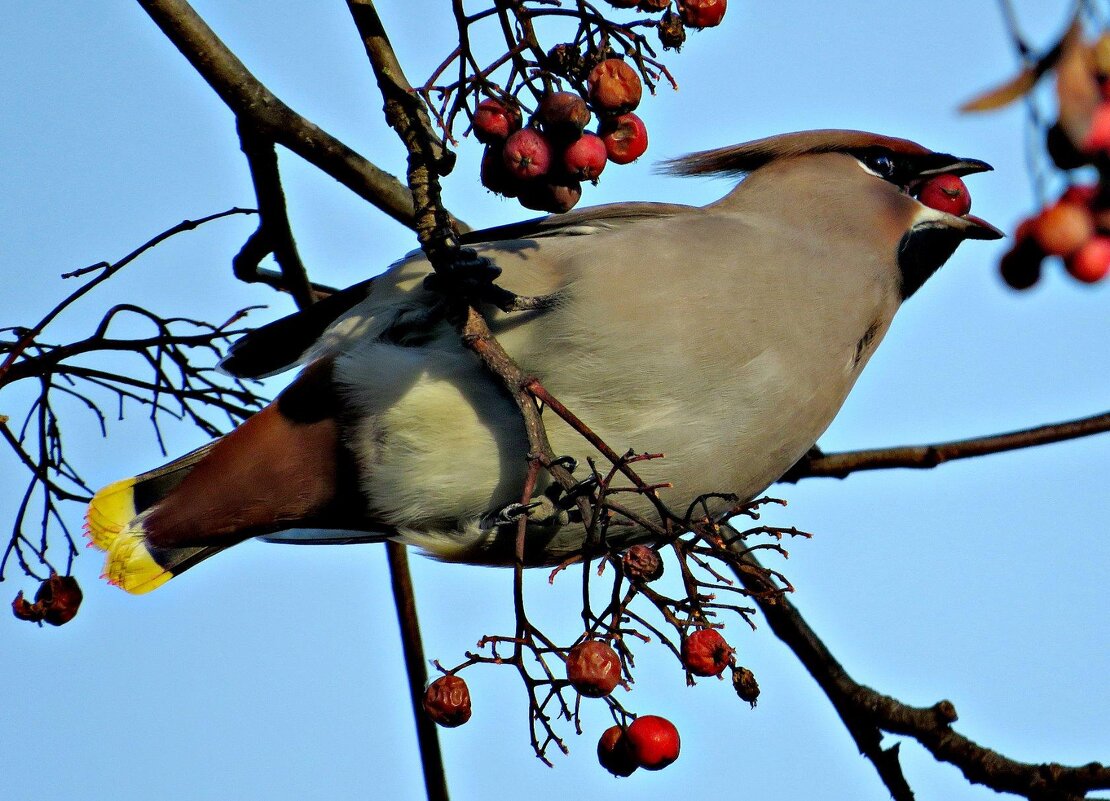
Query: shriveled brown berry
[614, 753]
[447, 701]
[625, 138]
[654, 742]
[642, 563]
[614, 87]
[25, 610]
[1063, 228]
[743, 681]
[705, 653]
[527, 154]
[563, 115]
[585, 157]
[593, 668]
[672, 32]
[59, 598]
[702, 13]
[557, 197]
[494, 120]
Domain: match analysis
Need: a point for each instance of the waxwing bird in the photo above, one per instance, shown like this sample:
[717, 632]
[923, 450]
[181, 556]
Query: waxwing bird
[726, 337]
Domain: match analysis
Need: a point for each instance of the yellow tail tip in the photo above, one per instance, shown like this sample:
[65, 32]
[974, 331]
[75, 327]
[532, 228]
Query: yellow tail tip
[109, 512]
[130, 565]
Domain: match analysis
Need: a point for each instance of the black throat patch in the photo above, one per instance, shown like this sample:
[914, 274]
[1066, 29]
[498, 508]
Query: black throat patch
[922, 252]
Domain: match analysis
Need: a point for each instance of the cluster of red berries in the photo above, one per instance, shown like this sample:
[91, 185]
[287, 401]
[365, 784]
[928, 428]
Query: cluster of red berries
[56, 601]
[1076, 228]
[544, 164]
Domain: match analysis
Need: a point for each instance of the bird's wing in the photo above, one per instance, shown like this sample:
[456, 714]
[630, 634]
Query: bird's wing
[281, 344]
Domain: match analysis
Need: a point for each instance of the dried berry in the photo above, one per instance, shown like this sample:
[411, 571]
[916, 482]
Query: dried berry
[59, 598]
[566, 60]
[625, 138]
[593, 668]
[563, 115]
[654, 742]
[642, 563]
[447, 701]
[585, 157]
[494, 120]
[705, 653]
[614, 752]
[672, 33]
[947, 193]
[25, 610]
[743, 681]
[702, 13]
[614, 87]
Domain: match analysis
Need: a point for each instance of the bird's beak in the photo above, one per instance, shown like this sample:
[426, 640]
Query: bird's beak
[955, 166]
[973, 227]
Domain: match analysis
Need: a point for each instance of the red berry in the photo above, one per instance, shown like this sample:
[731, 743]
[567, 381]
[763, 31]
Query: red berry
[556, 197]
[625, 138]
[705, 653]
[1098, 135]
[527, 154]
[1091, 262]
[563, 115]
[702, 13]
[614, 86]
[495, 175]
[447, 701]
[1063, 228]
[946, 193]
[654, 742]
[614, 753]
[59, 598]
[494, 120]
[1080, 194]
[593, 668]
[585, 157]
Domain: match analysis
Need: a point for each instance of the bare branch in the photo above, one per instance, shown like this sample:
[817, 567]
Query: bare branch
[250, 100]
[839, 465]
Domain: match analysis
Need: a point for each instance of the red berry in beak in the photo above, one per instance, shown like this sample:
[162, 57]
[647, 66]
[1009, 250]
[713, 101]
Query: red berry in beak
[946, 193]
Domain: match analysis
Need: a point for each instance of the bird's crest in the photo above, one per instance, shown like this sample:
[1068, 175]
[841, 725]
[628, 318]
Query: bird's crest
[743, 158]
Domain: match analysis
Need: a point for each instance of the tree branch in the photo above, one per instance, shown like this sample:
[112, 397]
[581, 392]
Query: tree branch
[245, 95]
[840, 465]
[867, 714]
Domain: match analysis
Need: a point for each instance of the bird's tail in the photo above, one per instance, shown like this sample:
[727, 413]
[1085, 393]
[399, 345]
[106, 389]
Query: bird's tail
[114, 523]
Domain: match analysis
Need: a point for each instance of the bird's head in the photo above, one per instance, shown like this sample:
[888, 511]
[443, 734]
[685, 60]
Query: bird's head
[860, 181]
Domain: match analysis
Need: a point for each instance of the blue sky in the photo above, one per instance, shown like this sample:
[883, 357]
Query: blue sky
[274, 672]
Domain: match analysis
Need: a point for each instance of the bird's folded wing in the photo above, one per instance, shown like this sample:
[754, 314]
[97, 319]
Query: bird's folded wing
[277, 346]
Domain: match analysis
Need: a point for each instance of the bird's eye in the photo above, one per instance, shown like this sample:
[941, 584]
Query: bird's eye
[880, 163]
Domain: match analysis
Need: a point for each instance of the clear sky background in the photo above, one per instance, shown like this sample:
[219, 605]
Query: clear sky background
[274, 672]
